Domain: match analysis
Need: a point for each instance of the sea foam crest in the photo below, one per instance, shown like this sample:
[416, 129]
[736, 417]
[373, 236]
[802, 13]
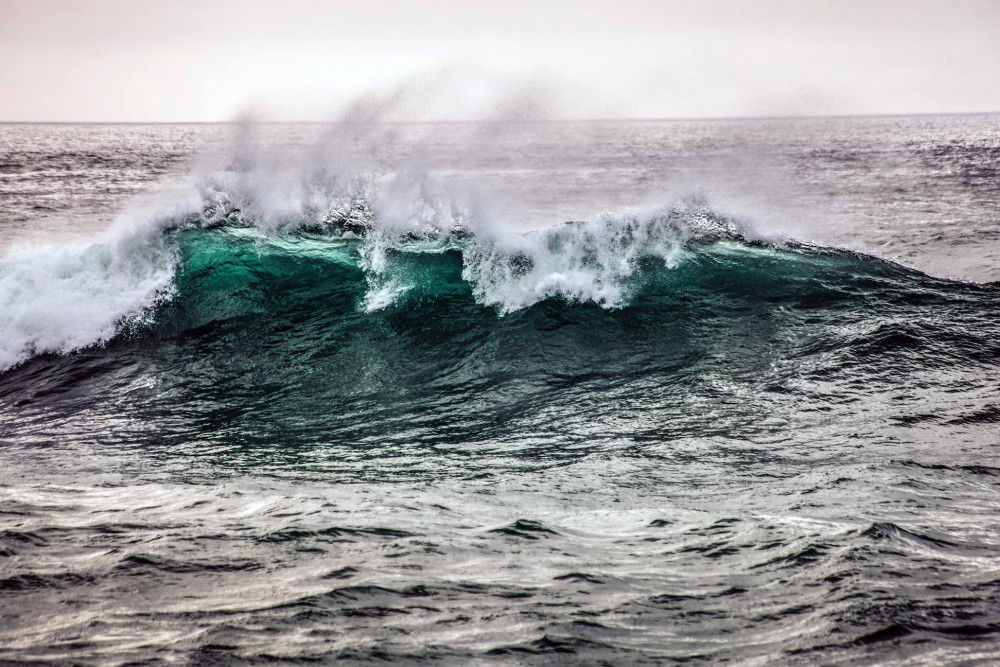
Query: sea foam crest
[578, 261]
[583, 262]
[60, 299]
[57, 300]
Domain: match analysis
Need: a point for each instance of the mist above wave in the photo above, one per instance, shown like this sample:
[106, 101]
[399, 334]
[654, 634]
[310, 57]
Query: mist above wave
[56, 300]
[59, 300]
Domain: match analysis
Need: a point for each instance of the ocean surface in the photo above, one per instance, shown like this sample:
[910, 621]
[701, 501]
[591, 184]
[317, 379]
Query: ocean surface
[636, 393]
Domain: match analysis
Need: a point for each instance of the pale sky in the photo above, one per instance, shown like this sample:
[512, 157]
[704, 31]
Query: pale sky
[209, 60]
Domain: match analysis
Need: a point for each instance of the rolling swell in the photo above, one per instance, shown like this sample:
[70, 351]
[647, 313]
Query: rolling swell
[303, 289]
[219, 267]
[394, 342]
[275, 429]
[176, 271]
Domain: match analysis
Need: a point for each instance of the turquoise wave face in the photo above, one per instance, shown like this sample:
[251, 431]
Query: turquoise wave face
[269, 352]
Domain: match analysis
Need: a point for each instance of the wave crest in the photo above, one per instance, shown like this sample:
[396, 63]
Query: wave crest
[381, 224]
[588, 262]
[60, 300]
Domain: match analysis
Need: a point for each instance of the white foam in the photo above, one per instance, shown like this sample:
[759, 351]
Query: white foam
[60, 299]
[63, 299]
[582, 262]
[593, 262]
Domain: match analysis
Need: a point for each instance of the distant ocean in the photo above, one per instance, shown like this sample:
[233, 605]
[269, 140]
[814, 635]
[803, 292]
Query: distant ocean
[472, 394]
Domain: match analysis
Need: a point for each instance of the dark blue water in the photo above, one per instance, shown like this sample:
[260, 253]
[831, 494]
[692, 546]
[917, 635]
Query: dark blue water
[314, 401]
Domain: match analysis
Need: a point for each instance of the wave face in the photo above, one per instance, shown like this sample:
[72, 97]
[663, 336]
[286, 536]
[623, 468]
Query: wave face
[350, 326]
[57, 301]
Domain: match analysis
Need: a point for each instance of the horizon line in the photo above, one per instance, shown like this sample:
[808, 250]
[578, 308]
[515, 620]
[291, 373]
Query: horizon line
[675, 119]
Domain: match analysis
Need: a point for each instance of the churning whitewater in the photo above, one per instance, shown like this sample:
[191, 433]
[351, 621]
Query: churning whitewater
[57, 300]
[494, 398]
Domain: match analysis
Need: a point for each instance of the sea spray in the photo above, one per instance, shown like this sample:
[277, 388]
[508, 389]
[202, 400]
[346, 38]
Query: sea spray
[56, 300]
[390, 218]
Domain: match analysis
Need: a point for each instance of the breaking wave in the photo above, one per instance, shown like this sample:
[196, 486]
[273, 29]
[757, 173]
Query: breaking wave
[393, 238]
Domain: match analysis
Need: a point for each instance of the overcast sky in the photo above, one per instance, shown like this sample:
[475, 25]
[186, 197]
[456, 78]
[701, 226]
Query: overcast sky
[207, 60]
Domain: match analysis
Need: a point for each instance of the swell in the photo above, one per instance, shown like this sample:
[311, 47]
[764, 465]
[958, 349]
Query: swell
[268, 356]
[322, 275]
[232, 272]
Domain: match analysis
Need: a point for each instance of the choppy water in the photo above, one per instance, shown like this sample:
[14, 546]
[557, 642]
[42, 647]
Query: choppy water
[353, 393]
